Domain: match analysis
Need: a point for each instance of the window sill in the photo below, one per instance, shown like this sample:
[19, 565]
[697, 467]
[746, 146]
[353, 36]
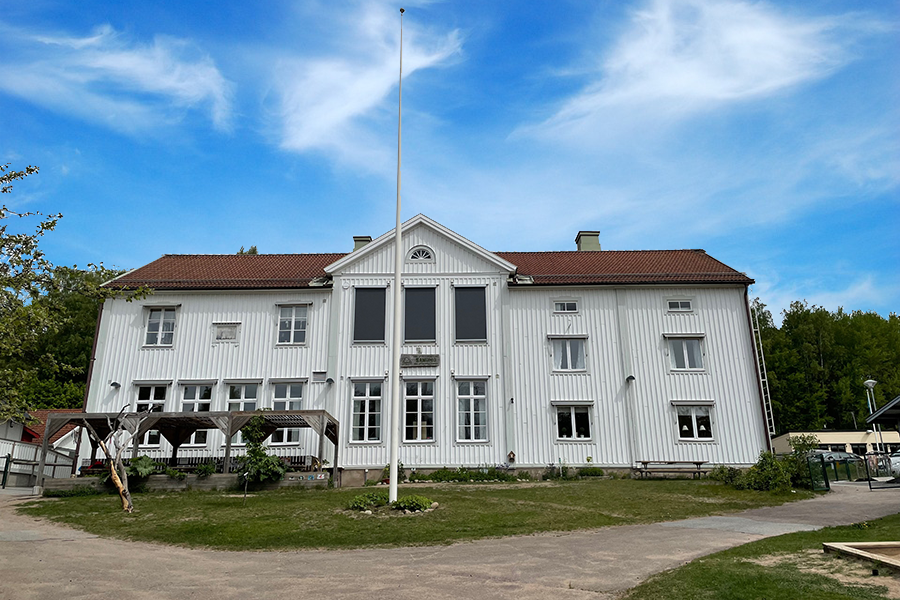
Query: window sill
[682, 371]
[574, 440]
[570, 372]
[284, 444]
[419, 442]
[169, 347]
[470, 342]
[696, 441]
[472, 442]
[366, 442]
[364, 343]
[286, 345]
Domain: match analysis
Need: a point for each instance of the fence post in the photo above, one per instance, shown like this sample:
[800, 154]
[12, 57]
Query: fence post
[6, 469]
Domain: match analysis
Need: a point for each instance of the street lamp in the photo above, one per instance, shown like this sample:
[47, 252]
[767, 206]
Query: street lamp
[870, 400]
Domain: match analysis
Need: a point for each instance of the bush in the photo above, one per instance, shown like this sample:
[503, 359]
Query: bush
[368, 500]
[590, 472]
[78, 490]
[257, 466]
[142, 466]
[412, 503]
[465, 474]
[176, 474]
[557, 472]
[204, 470]
[725, 474]
[386, 472]
[766, 475]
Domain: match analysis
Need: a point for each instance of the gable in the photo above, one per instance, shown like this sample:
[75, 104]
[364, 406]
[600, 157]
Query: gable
[451, 253]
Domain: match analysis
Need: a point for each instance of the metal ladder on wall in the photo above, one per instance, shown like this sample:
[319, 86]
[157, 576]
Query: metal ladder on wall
[761, 371]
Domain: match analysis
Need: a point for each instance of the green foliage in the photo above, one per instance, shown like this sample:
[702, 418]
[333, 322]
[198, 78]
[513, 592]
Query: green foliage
[386, 472]
[252, 250]
[817, 362]
[257, 466]
[768, 474]
[464, 474]
[205, 469]
[175, 474]
[142, 466]
[590, 472]
[368, 500]
[412, 503]
[561, 471]
[725, 474]
[78, 490]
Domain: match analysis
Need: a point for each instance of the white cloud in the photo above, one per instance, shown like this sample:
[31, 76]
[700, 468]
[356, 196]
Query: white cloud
[328, 102]
[106, 78]
[678, 57]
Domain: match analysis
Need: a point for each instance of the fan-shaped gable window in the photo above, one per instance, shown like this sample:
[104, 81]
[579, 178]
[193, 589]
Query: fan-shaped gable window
[421, 254]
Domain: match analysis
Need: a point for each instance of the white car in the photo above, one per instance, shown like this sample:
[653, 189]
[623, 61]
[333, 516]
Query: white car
[895, 464]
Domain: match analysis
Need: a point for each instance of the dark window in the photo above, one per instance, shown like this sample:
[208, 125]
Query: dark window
[471, 316]
[420, 315]
[368, 325]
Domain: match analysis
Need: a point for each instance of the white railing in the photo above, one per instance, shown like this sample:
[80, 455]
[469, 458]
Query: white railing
[26, 456]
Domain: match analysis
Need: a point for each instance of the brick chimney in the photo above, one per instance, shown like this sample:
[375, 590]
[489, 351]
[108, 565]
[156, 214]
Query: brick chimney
[360, 240]
[587, 240]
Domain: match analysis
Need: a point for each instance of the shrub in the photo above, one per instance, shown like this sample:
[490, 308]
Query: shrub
[175, 474]
[257, 466]
[412, 503]
[725, 474]
[142, 466]
[386, 472]
[767, 474]
[557, 472]
[796, 462]
[78, 490]
[465, 474]
[204, 470]
[590, 472]
[368, 500]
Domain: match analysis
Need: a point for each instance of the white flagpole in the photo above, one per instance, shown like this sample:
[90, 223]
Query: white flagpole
[398, 332]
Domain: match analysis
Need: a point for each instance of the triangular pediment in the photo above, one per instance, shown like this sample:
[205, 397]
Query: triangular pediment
[452, 253]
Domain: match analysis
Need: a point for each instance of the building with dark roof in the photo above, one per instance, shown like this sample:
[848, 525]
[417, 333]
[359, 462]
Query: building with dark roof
[583, 357]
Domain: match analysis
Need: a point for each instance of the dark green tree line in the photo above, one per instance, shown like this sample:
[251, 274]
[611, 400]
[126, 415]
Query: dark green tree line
[817, 362]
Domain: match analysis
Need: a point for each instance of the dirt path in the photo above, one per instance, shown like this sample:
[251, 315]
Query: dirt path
[46, 561]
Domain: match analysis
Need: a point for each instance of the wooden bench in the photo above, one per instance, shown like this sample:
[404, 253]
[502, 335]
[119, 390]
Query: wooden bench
[680, 467]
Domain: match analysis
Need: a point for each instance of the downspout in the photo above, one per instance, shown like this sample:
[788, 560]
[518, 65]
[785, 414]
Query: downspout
[759, 390]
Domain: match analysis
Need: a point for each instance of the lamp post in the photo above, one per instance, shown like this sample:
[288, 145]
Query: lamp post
[870, 400]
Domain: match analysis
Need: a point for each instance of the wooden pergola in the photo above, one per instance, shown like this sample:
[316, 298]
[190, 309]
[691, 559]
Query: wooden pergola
[178, 427]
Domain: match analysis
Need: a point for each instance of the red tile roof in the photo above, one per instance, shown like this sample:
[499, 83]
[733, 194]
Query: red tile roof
[277, 271]
[610, 267]
[228, 271]
[41, 424]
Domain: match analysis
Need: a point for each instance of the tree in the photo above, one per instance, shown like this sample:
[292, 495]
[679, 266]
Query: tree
[252, 250]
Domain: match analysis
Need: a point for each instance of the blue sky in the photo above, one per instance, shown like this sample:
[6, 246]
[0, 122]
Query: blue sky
[763, 132]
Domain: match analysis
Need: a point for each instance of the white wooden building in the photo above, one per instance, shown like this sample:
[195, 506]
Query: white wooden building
[527, 358]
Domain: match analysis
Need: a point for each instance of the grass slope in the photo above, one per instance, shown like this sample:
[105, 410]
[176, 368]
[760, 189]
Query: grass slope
[298, 518]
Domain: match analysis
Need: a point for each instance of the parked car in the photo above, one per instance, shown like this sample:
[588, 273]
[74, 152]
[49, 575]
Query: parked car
[831, 457]
[895, 464]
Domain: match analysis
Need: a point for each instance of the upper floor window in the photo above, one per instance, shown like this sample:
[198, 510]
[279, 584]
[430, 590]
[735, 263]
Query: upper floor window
[160, 327]
[686, 353]
[421, 254]
[680, 305]
[419, 323]
[568, 354]
[565, 306]
[292, 323]
[471, 314]
[573, 422]
[368, 316]
[227, 332]
[288, 396]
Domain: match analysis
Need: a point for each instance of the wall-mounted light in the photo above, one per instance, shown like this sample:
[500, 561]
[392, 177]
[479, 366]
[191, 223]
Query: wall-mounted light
[115, 384]
[630, 378]
[329, 381]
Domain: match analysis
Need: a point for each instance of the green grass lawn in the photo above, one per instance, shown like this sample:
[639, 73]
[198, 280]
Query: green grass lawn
[299, 518]
[787, 567]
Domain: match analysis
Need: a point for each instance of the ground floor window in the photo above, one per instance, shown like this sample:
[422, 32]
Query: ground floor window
[573, 422]
[366, 419]
[694, 423]
[197, 398]
[288, 396]
[419, 411]
[242, 397]
[286, 436]
[151, 398]
[471, 413]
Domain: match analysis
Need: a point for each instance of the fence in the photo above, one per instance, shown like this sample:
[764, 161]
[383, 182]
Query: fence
[880, 473]
[22, 459]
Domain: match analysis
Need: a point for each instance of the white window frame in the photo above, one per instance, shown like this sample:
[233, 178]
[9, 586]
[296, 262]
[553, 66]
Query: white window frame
[285, 436]
[680, 302]
[420, 426]
[695, 408]
[197, 405]
[676, 343]
[470, 413]
[574, 407]
[415, 251]
[563, 344]
[153, 404]
[293, 331]
[566, 306]
[289, 436]
[367, 413]
[240, 404]
[160, 331]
